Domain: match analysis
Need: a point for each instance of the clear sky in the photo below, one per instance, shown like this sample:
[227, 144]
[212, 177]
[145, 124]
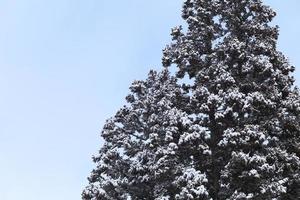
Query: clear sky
[65, 66]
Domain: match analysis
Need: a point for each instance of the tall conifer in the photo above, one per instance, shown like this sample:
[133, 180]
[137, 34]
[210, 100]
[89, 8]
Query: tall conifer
[232, 132]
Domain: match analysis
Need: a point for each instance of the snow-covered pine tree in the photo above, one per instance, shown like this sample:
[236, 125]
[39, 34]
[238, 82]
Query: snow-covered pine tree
[233, 133]
[243, 94]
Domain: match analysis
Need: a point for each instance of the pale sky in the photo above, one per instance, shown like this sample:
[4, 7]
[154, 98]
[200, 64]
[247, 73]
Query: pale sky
[65, 67]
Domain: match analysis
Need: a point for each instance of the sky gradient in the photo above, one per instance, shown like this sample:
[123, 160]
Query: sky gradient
[65, 67]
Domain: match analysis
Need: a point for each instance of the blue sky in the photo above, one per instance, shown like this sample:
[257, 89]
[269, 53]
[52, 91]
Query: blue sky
[65, 66]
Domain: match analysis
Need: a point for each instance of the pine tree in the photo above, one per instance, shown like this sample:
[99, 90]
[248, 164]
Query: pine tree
[231, 132]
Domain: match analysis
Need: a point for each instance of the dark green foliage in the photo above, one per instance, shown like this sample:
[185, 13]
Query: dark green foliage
[233, 133]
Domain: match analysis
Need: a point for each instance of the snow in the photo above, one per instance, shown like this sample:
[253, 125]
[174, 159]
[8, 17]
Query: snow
[239, 112]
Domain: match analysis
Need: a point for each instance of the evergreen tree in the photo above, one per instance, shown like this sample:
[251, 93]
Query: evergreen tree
[233, 133]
